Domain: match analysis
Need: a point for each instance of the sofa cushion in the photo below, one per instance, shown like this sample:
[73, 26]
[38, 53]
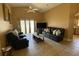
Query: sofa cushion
[58, 32]
[54, 32]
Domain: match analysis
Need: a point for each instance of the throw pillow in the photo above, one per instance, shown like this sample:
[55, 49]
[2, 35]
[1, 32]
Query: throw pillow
[15, 32]
[58, 32]
[46, 30]
[54, 32]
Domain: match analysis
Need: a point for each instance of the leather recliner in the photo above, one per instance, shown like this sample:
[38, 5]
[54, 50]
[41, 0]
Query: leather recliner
[16, 42]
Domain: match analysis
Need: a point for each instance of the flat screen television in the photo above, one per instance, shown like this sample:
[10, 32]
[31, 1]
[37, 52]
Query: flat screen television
[41, 25]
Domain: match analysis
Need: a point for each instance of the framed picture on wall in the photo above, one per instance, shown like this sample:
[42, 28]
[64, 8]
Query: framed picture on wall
[6, 13]
[9, 16]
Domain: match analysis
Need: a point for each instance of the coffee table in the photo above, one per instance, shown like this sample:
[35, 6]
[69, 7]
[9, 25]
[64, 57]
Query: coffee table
[39, 37]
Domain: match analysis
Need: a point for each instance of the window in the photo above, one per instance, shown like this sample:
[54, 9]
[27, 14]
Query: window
[27, 26]
[78, 23]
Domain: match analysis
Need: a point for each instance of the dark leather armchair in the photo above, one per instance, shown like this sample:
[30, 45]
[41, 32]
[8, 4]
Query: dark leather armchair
[16, 42]
[21, 35]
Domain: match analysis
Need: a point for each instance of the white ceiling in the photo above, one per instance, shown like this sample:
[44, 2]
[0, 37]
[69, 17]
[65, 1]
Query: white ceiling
[41, 6]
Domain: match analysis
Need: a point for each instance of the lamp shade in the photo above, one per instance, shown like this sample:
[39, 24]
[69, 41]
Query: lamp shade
[4, 26]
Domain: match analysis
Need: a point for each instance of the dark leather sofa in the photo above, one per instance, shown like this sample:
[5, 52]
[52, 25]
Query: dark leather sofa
[17, 42]
[54, 37]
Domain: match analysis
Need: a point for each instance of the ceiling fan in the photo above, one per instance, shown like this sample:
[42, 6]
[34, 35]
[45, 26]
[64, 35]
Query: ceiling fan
[32, 10]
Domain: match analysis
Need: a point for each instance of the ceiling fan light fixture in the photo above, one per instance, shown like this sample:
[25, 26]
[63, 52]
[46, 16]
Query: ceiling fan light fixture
[31, 10]
[30, 7]
[35, 9]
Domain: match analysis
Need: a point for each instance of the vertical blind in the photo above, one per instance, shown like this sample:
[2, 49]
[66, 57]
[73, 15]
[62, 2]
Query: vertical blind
[27, 26]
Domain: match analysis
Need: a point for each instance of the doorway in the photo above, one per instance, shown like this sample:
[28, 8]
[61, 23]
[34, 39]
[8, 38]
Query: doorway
[27, 26]
[76, 28]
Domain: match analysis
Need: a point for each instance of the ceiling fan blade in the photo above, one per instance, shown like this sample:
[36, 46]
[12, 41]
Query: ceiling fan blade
[30, 11]
[35, 9]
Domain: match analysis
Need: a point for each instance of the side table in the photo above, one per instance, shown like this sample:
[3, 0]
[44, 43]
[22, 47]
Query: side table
[6, 51]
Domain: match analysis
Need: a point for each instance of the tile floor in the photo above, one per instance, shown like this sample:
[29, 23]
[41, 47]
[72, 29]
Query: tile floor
[50, 48]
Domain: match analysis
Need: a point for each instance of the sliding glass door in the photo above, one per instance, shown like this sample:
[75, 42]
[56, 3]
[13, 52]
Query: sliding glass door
[27, 26]
[32, 26]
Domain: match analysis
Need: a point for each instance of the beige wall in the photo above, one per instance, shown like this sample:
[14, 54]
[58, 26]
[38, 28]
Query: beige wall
[59, 17]
[2, 35]
[1, 18]
[21, 12]
[3, 42]
[63, 16]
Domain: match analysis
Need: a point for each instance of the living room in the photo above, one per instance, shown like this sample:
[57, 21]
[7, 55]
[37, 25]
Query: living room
[58, 15]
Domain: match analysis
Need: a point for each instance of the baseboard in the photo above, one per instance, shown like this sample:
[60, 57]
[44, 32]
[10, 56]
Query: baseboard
[67, 39]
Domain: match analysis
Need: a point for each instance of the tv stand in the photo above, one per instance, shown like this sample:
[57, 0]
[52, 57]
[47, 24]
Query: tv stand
[39, 31]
